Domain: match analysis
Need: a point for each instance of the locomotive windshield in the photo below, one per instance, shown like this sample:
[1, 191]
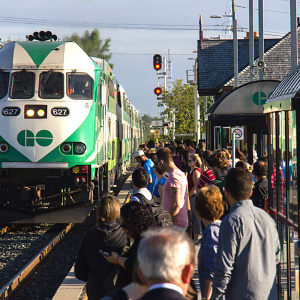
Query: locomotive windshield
[22, 85]
[51, 85]
[4, 77]
[80, 86]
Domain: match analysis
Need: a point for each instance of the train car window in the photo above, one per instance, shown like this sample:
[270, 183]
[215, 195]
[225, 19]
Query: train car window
[22, 85]
[111, 88]
[119, 98]
[292, 163]
[80, 86]
[51, 85]
[4, 78]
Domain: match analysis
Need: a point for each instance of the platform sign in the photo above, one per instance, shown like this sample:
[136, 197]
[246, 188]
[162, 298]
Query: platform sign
[238, 132]
[156, 133]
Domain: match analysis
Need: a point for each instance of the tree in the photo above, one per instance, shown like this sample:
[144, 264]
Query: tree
[181, 101]
[4, 42]
[92, 44]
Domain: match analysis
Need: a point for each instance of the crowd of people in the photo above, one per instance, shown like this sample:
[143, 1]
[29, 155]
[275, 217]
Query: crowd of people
[213, 202]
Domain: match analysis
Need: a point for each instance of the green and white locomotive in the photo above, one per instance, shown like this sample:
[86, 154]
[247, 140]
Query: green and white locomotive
[67, 131]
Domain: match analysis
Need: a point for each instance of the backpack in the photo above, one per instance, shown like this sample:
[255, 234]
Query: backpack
[162, 217]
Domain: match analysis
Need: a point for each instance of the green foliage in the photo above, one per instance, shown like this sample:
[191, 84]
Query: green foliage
[181, 101]
[92, 44]
[2, 43]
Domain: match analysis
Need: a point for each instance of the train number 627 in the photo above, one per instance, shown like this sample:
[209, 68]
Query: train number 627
[60, 111]
[11, 111]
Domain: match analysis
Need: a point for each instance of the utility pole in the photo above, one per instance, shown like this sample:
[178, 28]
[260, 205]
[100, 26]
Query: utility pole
[294, 37]
[251, 39]
[235, 47]
[261, 36]
[197, 106]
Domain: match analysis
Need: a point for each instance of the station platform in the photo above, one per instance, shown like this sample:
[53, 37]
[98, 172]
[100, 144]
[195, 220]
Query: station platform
[74, 289]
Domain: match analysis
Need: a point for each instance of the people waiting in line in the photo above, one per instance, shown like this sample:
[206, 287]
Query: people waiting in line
[193, 179]
[147, 164]
[237, 257]
[248, 248]
[209, 206]
[139, 185]
[108, 236]
[135, 219]
[175, 194]
[158, 190]
[166, 259]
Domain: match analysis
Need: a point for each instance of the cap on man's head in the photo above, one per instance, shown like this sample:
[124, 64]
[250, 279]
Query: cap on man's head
[138, 153]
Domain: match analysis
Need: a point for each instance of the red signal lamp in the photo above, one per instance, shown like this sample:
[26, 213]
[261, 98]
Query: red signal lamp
[157, 62]
[157, 91]
[157, 67]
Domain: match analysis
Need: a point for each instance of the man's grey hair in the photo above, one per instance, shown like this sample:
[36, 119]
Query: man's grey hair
[163, 253]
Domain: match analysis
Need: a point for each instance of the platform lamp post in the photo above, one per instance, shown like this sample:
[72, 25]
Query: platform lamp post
[194, 82]
[235, 43]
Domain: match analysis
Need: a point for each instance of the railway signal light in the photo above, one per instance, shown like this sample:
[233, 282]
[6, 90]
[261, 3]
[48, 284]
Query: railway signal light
[157, 62]
[157, 91]
[42, 36]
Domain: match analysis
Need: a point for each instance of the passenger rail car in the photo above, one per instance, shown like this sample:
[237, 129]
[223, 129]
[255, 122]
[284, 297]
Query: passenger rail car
[283, 117]
[67, 131]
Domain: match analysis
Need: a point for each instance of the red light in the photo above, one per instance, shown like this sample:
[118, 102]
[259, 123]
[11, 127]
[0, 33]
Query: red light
[157, 91]
[83, 169]
[67, 148]
[157, 62]
[157, 67]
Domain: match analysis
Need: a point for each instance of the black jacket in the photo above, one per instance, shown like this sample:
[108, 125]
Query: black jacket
[90, 265]
[125, 275]
[162, 293]
[260, 192]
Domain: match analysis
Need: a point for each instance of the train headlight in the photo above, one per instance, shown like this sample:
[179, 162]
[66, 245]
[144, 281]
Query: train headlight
[66, 148]
[41, 112]
[35, 112]
[75, 169]
[30, 113]
[80, 148]
[3, 147]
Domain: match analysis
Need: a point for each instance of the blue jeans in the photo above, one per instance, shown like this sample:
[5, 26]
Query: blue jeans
[196, 220]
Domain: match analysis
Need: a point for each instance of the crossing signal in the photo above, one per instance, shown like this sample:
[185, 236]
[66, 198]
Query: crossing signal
[157, 91]
[157, 62]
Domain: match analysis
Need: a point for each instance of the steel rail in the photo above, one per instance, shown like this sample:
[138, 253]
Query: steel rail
[21, 275]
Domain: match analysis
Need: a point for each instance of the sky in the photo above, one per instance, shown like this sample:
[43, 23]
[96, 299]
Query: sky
[139, 29]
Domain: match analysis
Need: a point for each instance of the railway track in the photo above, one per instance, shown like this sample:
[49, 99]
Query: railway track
[10, 252]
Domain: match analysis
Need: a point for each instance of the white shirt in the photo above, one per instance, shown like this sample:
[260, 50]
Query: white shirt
[166, 285]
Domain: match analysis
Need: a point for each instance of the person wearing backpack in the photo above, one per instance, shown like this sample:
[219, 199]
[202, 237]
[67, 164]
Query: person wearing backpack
[139, 185]
[142, 195]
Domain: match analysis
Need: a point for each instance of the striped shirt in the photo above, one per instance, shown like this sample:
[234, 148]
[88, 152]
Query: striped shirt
[205, 178]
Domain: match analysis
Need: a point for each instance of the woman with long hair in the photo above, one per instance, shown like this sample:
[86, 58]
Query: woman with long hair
[107, 236]
[194, 163]
[135, 219]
